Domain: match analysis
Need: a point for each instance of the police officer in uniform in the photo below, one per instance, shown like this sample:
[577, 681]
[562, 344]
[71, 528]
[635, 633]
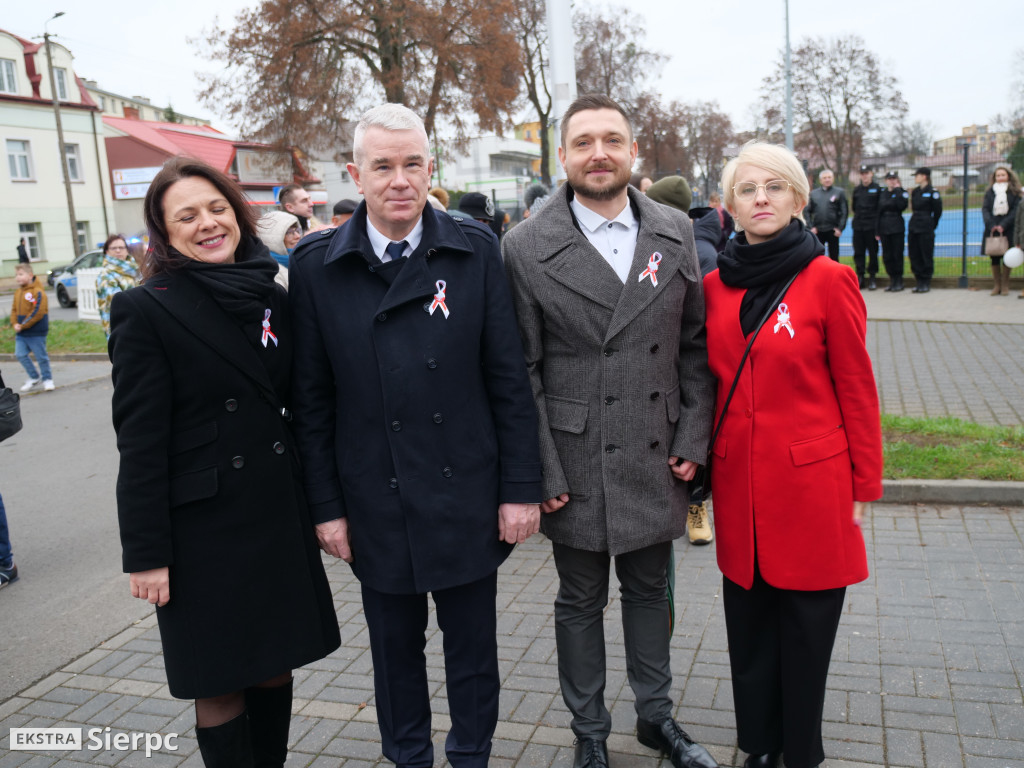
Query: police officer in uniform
[866, 198]
[891, 228]
[927, 210]
[826, 213]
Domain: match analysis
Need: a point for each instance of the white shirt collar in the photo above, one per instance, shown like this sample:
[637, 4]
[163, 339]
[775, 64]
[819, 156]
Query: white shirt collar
[379, 242]
[592, 221]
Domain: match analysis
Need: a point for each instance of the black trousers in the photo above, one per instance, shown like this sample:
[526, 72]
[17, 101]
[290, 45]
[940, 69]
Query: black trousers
[921, 249]
[780, 645]
[864, 240]
[831, 243]
[579, 633]
[892, 254]
[397, 624]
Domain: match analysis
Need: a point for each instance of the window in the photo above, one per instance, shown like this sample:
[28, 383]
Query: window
[74, 162]
[103, 103]
[62, 82]
[31, 234]
[8, 84]
[82, 230]
[19, 159]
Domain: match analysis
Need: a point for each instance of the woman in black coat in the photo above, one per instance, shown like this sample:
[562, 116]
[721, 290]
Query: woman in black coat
[998, 211]
[214, 529]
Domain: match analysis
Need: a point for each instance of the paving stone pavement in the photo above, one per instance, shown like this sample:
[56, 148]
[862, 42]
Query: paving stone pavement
[926, 671]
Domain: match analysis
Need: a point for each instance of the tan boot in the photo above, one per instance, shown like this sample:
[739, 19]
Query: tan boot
[698, 524]
[1004, 286]
[997, 278]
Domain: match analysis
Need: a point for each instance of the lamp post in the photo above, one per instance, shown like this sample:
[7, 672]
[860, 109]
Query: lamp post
[789, 87]
[60, 138]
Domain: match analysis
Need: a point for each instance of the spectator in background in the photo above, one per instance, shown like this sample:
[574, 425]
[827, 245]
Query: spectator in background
[22, 252]
[31, 322]
[296, 200]
[672, 191]
[891, 229]
[926, 205]
[343, 210]
[1018, 235]
[534, 198]
[118, 272]
[826, 213]
[999, 209]
[645, 184]
[8, 570]
[478, 206]
[867, 198]
[724, 219]
[442, 196]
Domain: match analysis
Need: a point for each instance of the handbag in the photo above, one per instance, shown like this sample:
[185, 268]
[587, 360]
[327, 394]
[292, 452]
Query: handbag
[10, 411]
[996, 245]
[705, 480]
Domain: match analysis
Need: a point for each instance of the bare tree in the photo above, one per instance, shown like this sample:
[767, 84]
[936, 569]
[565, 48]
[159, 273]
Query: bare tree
[910, 138]
[531, 30]
[842, 100]
[708, 132]
[661, 147]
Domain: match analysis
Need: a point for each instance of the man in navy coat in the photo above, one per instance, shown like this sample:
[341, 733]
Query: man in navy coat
[418, 432]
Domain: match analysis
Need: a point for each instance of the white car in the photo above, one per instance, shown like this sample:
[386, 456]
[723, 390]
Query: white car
[66, 283]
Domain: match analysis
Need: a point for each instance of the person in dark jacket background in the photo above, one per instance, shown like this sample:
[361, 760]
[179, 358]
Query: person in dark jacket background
[22, 252]
[926, 207]
[998, 211]
[826, 213]
[891, 228]
[866, 200]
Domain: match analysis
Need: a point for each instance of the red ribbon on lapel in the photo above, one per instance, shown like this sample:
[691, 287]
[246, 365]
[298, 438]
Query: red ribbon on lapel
[267, 333]
[652, 269]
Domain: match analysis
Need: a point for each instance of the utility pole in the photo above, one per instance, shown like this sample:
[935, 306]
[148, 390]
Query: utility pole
[60, 139]
[789, 87]
[563, 66]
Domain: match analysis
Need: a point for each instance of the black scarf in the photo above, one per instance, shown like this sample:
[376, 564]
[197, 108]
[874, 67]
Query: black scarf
[763, 269]
[240, 288]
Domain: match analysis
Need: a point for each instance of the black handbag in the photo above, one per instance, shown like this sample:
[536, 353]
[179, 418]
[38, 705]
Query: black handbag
[705, 478]
[10, 411]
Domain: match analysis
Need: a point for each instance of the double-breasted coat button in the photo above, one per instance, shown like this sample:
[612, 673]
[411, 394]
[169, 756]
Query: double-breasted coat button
[655, 395]
[609, 448]
[393, 482]
[654, 348]
[655, 444]
[437, 418]
[231, 405]
[431, 363]
[278, 448]
[238, 462]
[372, 269]
[382, 316]
[396, 426]
[609, 400]
[609, 352]
[447, 472]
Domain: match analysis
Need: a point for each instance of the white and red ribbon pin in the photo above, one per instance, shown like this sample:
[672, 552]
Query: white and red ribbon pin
[782, 321]
[30, 297]
[439, 299]
[652, 269]
[267, 333]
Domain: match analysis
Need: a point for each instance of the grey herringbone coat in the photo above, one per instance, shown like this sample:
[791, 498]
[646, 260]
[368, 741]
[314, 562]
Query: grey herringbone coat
[619, 373]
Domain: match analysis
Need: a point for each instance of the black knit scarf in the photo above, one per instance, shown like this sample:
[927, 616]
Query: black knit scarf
[240, 288]
[763, 269]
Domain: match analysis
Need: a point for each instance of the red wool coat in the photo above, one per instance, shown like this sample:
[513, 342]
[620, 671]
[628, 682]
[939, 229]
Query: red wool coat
[802, 440]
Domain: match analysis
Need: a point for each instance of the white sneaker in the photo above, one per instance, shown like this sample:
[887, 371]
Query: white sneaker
[29, 384]
[48, 385]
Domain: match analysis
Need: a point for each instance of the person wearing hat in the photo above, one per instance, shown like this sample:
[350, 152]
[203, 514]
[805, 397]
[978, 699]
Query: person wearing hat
[926, 205]
[672, 191]
[343, 210]
[866, 198]
[891, 228]
[478, 206]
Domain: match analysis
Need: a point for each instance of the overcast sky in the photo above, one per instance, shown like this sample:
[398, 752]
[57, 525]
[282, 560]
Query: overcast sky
[952, 60]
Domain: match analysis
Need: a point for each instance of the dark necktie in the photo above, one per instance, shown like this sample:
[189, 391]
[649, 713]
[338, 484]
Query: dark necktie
[394, 251]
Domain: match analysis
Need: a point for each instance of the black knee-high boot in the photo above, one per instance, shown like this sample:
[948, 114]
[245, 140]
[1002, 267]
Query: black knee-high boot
[270, 716]
[226, 745]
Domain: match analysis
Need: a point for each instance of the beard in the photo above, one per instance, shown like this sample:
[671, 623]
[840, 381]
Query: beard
[607, 190]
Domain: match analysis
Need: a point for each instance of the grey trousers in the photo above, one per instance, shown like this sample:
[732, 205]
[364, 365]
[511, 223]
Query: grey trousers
[579, 633]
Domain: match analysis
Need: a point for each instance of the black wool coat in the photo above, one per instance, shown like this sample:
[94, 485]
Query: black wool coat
[415, 426]
[209, 485]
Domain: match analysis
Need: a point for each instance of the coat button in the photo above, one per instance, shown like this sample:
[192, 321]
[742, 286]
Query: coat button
[609, 400]
[396, 426]
[447, 472]
[609, 448]
[655, 444]
[372, 269]
[278, 448]
[393, 482]
[748, 413]
[654, 348]
[431, 363]
[437, 418]
[655, 395]
[382, 316]
[231, 405]
[238, 462]
[608, 352]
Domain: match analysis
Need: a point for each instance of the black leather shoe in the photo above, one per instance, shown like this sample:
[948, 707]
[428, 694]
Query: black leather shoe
[767, 760]
[899, 284]
[671, 740]
[591, 753]
[872, 284]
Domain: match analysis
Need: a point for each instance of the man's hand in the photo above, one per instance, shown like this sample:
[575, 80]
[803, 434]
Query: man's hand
[555, 504]
[837, 232]
[683, 470]
[333, 538]
[153, 585]
[518, 522]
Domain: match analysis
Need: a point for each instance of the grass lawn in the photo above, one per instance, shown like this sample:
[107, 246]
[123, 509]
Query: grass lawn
[949, 449]
[64, 336]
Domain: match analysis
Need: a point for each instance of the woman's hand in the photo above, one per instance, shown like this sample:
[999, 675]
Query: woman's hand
[858, 511]
[997, 228]
[154, 585]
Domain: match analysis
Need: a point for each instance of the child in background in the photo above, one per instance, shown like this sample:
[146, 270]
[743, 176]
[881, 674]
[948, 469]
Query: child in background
[31, 321]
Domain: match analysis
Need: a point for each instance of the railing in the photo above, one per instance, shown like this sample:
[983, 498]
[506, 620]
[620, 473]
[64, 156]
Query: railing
[88, 306]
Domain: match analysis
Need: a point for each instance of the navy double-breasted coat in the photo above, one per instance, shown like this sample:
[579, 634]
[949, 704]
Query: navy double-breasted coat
[415, 425]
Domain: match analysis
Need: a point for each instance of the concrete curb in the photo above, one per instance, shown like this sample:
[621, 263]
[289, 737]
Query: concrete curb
[996, 493]
[62, 356]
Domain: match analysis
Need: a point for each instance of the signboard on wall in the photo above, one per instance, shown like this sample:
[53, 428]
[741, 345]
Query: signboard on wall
[134, 175]
[130, 191]
[262, 167]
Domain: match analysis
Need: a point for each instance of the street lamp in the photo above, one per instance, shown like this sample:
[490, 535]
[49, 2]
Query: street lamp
[60, 138]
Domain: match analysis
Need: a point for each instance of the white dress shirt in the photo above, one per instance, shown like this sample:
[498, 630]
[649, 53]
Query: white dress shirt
[615, 239]
[379, 242]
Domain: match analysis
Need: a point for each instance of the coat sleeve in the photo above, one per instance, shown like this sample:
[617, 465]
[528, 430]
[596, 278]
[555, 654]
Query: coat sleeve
[141, 410]
[844, 210]
[854, 382]
[1018, 226]
[986, 211]
[530, 316]
[1007, 221]
[809, 210]
[313, 396]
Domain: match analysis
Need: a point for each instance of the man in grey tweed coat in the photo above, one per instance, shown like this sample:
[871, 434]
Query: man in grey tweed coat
[610, 304]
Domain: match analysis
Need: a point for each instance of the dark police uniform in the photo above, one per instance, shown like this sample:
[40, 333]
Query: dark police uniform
[926, 205]
[866, 199]
[827, 210]
[891, 228]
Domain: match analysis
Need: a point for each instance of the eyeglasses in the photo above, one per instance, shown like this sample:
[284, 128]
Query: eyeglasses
[117, 248]
[774, 189]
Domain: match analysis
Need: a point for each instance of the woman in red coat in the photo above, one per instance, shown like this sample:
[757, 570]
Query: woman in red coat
[798, 456]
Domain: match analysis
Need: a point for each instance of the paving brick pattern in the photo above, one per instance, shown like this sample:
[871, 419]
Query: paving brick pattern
[926, 672]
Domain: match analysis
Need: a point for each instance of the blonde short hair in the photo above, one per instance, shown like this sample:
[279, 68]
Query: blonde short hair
[773, 158]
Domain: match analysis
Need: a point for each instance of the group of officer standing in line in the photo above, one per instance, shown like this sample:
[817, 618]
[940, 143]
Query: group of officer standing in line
[878, 218]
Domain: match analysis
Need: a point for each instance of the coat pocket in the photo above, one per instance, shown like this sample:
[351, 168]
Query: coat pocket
[672, 404]
[567, 420]
[193, 486]
[567, 415]
[818, 448]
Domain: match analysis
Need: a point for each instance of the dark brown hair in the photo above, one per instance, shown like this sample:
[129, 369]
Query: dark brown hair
[111, 239]
[593, 101]
[1013, 185]
[160, 257]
